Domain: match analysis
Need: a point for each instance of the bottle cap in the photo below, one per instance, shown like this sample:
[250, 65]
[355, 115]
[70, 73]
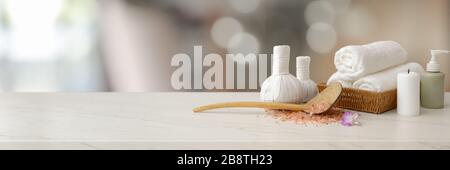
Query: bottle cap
[433, 65]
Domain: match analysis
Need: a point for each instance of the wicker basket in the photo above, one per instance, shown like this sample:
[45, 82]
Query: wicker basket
[366, 101]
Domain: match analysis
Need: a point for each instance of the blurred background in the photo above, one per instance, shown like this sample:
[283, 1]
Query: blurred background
[127, 45]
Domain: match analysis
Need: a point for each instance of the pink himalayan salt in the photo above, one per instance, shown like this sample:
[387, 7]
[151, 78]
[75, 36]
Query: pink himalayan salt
[333, 115]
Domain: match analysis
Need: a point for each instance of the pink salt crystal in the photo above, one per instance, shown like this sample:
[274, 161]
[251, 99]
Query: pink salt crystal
[317, 108]
[334, 115]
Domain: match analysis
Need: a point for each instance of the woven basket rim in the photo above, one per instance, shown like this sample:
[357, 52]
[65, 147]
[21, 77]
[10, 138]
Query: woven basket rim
[360, 90]
[364, 100]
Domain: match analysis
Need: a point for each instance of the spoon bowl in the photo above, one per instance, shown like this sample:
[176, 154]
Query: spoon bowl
[326, 98]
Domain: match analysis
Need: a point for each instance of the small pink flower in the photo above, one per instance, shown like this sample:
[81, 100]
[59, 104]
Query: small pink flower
[350, 119]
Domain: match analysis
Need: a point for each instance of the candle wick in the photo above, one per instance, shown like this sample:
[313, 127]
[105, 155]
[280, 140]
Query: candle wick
[408, 71]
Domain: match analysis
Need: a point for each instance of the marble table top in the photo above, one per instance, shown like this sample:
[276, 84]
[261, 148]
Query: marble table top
[166, 121]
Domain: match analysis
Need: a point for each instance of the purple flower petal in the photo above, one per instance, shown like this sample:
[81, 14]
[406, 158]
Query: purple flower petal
[350, 119]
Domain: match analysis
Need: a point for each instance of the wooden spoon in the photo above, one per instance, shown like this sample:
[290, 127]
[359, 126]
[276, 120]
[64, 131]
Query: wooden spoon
[325, 98]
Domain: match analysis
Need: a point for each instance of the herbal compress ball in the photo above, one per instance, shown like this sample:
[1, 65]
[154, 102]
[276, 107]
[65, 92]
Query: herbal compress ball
[281, 86]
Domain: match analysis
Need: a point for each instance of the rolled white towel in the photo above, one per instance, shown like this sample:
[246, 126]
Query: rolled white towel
[357, 61]
[387, 79]
[339, 78]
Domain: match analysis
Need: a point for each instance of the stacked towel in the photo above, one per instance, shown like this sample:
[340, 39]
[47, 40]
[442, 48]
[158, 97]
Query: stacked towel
[339, 78]
[387, 79]
[354, 62]
[372, 67]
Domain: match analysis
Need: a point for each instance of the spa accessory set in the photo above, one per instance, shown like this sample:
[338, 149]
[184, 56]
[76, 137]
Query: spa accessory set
[372, 78]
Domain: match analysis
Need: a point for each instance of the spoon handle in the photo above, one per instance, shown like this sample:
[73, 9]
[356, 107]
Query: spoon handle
[265, 105]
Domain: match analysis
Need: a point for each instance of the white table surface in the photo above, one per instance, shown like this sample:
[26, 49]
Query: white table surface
[165, 121]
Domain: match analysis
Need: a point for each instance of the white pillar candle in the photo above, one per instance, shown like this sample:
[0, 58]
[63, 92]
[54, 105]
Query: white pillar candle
[408, 94]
